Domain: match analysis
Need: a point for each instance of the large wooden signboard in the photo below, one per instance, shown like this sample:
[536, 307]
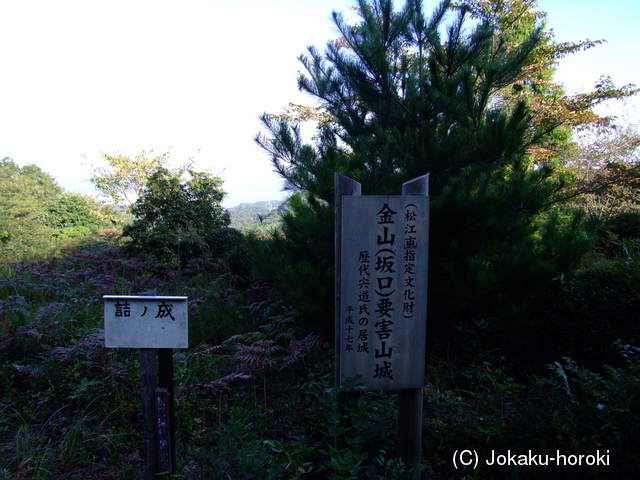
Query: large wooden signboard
[145, 322]
[383, 290]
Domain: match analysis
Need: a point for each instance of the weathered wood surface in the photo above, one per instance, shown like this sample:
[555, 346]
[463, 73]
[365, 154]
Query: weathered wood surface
[148, 367]
[163, 431]
[344, 186]
[383, 289]
[146, 322]
[410, 400]
[166, 382]
[377, 248]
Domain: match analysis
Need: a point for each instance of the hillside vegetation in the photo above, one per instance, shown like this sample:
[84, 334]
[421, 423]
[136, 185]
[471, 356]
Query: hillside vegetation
[261, 218]
[254, 391]
[37, 215]
[533, 346]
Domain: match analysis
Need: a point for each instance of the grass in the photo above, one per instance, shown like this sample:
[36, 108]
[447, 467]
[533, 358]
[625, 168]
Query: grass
[254, 392]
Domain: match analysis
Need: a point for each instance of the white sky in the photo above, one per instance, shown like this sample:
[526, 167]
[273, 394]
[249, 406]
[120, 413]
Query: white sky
[82, 77]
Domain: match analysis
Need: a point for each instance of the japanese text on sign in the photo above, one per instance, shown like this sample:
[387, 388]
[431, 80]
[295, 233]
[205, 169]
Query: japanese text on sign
[145, 322]
[383, 290]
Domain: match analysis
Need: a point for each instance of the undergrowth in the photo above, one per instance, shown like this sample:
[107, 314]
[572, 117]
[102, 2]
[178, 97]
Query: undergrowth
[254, 392]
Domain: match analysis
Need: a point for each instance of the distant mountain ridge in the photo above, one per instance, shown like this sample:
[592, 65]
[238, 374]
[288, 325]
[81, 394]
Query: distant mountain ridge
[262, 216]
[263, 203]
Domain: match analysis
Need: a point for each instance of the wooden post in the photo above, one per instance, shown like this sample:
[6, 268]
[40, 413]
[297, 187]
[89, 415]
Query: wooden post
[148, 366]
[157, 411]
[156, 325]
[163, 431]
[165, 381]
[410, 399]
[410, 426]
[408, 380]
[343, 186]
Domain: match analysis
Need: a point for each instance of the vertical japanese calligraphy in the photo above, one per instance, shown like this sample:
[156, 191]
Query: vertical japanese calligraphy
[409, 254]
[383, 282]
[386, 287]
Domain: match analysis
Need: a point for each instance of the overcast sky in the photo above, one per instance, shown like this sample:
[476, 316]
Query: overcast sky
[83, 77]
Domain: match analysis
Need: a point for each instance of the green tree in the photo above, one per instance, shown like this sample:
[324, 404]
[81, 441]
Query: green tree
[37, 215]
[298, 258]
[71, 215]
[126, 176]
[555, 114]
[606, 183]
[23, 193]
[174, 215]
[410, 94]
[607, 165]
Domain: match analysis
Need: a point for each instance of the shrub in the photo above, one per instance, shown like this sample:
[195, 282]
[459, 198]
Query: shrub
[581, 411]
[230, 246]
[174, 215]
[625, 224]
[223, 240]
[583, 315]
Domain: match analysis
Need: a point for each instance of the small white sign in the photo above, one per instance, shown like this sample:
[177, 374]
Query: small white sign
[145, 322]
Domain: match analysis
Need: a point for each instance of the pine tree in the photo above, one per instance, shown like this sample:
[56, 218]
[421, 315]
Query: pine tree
[409, 95]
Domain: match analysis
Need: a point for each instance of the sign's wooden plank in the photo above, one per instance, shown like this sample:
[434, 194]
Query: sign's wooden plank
[383, 290]
[145, 322]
